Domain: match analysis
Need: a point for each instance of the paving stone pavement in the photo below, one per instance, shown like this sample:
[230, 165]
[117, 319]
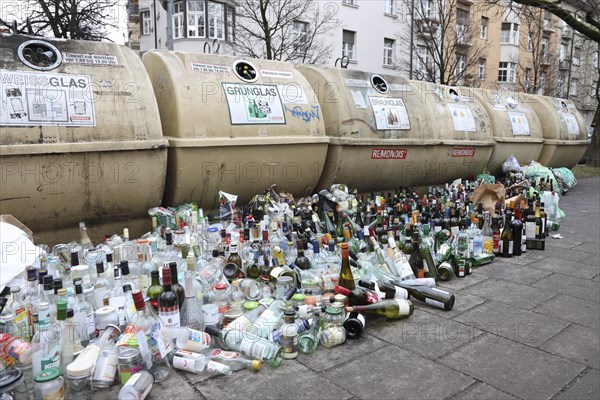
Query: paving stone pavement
[523, 328]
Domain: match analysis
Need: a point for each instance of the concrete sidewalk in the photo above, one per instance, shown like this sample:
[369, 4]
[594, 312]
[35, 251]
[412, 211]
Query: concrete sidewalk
[526, 327]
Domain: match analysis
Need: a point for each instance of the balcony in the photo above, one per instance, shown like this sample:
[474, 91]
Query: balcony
[564, 64]
[567, 33]
[548, 26]
[467, 2]
[545, 61]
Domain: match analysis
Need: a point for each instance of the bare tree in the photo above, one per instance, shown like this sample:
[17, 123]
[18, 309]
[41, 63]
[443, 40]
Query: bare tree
[444, 50]
[67, 19]
[284, 30]
[538, 69]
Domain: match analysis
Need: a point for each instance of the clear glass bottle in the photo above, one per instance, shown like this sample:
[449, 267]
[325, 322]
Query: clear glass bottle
[46, 342]
[191, 312]
[17, 307]
[84, 317]
[70, 342]
[152, 346]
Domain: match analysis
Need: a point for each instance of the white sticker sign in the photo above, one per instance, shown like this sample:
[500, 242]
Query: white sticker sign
[519, 123]
[292, 93]
[267, 73]
[33, 98]
[389, 113]
[462, 117]
[253, 104]
[95, 59]
[359, 100]
[211, 68]
[357, 83]
[572, 125]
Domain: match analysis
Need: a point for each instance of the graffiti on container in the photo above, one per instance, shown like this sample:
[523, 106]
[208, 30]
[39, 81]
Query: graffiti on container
[305, 115]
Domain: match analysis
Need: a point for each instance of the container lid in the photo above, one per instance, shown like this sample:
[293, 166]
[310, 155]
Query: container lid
[299, 297]
[333, 310]
[284, 280]
[220, 286]
[47, 375]
[250, 305]
[127, 354]
[10, 377]
[80, 268]
[4, 336]
[256, 365]
[105, 310]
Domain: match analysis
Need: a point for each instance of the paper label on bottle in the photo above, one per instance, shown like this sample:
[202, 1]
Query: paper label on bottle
[228, 355]
[53, 359]
[100, 296]
[217, 367]
[144, 349]
[253, 349]
[530, 230]
[90, 322]
[106, 366]
[435, 303]
[156, 340]
[197, 340]
[501, 246]
[372, 297]
[184, 364]
[241, 324]
[403, 306]
[510, 247]
[290, 343]
[210, 313]
[170, 316]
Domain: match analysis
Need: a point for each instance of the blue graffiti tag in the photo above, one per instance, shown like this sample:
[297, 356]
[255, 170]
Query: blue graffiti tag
[305, 115]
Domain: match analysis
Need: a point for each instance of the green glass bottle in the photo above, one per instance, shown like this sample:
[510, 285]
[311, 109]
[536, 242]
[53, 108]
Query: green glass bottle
[154, 290]
[346, 277]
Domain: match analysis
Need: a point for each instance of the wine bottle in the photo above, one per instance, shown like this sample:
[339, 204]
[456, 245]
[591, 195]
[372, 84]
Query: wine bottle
[395, 309]
[168, 303]
[433, 296]
[175, 286]
[358, 296]
[346, 277]
[390, 291]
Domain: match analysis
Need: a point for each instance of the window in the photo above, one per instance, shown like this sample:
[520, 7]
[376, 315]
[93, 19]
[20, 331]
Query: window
[146, 22]
[462, 21]
[481, 69]
[542, 83]
[230, 31]
[510, 33]
[507, 72]
[216, 20]
[576, 55]
[349, 2]
[388, 52]
[573, 87]
[348, 44]
[195, 18]
[459, 69]
[426, 10]
[563, 52]
[530, 42]
[484, 27]
[527, 79]
[389, 6]
[559, 86]
[300, 33]
[178, 20]
[544, 49]
[594, 85]
[422, 63]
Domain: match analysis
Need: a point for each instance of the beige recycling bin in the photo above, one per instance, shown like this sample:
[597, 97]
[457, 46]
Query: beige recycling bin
[80, 138]
[517, 128]
[387, 132]
[564, 130]
[236, 126]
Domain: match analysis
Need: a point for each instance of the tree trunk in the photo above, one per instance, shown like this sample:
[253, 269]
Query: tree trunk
[594, 149]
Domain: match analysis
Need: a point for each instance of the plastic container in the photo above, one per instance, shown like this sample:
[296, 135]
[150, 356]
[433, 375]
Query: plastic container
[13, 385]
[386, 131]
[236, 126]
[49, 384]
[564, 130]
[517, 128]
[81, 137]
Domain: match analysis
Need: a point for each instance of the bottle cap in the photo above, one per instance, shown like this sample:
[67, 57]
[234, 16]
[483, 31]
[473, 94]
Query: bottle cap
[116, 272]
[41, 275]
[48, 282]
[109, 257]
[48, 375]
[100, 267]
[127, 288]
[212, 330]
[15, 289]
[61, 291]
[154, 274]
[166, 275]
[256, 365]
[250, 305]
[31, 274]
[138, 299]
[218, 286]
[70, 313]
[124, 267]
[78, 288]
[342, 290]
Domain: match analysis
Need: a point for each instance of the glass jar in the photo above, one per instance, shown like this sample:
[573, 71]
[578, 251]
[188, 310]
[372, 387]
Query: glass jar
[130, 362]
[79, 385]
[7, 324]
[12, 386]
[251, 289]
[333, 316]
[49, 384]
[284, 283]
[105, 316]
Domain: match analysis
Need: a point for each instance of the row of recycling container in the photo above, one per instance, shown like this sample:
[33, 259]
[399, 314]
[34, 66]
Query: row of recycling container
[92, 132]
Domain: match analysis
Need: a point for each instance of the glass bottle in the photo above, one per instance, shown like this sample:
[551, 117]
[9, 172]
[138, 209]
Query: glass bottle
[270, 319]
[175, 286]
[488, 234]
[346, 277]
[462, 252]
[253, 310]
[101, 287]
[433, 296]
[70, 342]
[308, 341]
[416, 260]
[289, 332]
[233, 267]
[138, 386]
[168, 303]
[301, 261]
[46, 342]
[125, 275]
[506, 240]
[17, 308]
[83, 316]
[117, 296]
[233, 359]
[191, 313]
[149, 333]
[517, 231]
[31, 301]
[154, 290]
[358, 296]
[248, 344]
[395, 309]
